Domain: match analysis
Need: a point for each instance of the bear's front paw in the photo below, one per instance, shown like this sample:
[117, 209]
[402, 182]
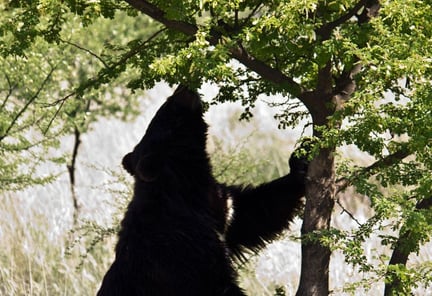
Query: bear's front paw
[299, 160]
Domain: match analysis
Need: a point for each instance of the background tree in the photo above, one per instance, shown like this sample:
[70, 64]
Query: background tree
[44, 74]
[361, 69]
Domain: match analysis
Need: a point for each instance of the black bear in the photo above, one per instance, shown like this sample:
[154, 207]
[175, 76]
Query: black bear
[182, 228]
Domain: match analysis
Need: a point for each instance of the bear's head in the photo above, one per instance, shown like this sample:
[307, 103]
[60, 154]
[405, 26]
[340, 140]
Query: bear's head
[174, 139]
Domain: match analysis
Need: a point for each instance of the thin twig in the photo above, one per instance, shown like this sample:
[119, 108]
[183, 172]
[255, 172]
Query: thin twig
[344, 210]
[54, 117]
[10, 91]
[95, 79]
[86, 50]
[29, 102]
[343, 183]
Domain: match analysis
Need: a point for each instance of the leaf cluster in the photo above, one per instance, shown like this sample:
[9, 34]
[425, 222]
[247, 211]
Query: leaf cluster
[51, 87]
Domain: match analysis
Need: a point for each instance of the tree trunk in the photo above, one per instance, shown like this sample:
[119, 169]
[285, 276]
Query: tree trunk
[320, 191]
[72, 170]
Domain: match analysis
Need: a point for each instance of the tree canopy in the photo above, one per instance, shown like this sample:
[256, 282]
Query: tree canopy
[361, 68]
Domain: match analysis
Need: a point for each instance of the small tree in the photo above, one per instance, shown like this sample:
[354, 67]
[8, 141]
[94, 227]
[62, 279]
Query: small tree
[49, 85]
[361, 68]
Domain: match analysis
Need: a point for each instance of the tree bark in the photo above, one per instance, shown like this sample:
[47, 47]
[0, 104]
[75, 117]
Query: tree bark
[320, 192]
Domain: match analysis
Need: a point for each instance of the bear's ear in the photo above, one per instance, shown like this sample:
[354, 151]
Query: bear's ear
[148, 169]
[128, 164]
[187, 98]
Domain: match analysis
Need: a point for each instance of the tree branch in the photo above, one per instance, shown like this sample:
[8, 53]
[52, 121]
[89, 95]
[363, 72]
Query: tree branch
[239, 53]
[371, 9]
[325, 30]
[156, 13]
[345, 86]
[424, 204]
[265, 71]
[28, 103]
[351, 215]
[343, 183]
[403, 247]
[252, 13]
[324, 83]
[92, 81]
[86, 50]
[9, 91]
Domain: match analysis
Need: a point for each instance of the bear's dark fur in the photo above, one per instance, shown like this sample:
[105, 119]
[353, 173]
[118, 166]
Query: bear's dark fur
[182, 227]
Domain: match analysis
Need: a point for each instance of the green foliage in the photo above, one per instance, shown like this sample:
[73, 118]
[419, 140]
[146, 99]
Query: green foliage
[49, 89]
[370, 73]
[241, 167]
[409, 278]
